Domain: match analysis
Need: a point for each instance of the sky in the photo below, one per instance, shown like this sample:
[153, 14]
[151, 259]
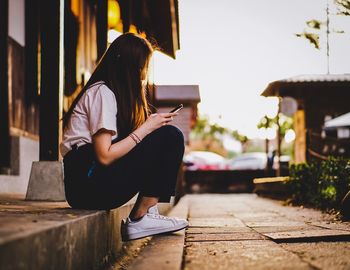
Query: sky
[232, 49]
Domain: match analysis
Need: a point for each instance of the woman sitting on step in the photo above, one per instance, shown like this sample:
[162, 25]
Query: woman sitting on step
[113, 148]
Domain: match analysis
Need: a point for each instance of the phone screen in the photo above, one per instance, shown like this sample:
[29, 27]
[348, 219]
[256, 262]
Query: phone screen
[176, 109]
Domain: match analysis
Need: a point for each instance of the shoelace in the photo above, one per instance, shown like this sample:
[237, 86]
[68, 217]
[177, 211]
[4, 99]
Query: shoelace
[159, 216]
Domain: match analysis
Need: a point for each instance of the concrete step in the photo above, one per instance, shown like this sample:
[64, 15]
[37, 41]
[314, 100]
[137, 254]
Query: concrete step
[51, 235]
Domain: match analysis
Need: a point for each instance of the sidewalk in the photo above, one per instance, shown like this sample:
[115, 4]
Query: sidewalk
[244, 231]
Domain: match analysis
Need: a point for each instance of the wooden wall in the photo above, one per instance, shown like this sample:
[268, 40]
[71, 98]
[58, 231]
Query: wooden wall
[24, 115]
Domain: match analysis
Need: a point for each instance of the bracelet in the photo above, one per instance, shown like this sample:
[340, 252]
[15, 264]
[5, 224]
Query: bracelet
[133, 138]
[136, 136]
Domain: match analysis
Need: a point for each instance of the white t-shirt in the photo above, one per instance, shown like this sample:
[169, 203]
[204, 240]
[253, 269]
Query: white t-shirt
[96, 109]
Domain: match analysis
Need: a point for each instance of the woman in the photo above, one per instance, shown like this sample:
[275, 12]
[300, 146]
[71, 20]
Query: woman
[113, 148]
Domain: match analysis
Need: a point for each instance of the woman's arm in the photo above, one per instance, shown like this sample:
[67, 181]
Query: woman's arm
[106, 152]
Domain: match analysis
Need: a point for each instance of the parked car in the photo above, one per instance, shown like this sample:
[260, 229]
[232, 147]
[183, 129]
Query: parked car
[257, 161]
[205, 160]
[249, 161]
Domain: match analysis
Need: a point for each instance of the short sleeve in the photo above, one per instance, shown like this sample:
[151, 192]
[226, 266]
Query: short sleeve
[102, 110]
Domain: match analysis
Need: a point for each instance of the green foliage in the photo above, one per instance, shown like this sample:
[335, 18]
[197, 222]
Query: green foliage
[343, 7]
[313, 38]
[205, 130]
[320, 184]
[316, 27]
[200, 129]
[251, 148]
[285, 123]
[287, 149]
[239, 137]
[315, 24]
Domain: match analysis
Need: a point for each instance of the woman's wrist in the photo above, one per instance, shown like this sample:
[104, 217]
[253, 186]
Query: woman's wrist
[140, 133]
[135, 138]
[143, 130]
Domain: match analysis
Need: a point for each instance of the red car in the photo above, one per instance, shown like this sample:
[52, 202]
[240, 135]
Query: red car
[205, 160]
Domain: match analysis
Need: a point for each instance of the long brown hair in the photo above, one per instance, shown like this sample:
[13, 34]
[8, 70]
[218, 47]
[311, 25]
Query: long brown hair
[122, 68]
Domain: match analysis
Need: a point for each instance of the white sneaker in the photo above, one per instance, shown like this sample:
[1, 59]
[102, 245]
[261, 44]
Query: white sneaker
[150, 224]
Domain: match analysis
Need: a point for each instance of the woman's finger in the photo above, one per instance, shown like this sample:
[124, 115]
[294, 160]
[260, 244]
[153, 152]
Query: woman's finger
[168, 114]
[168, 119]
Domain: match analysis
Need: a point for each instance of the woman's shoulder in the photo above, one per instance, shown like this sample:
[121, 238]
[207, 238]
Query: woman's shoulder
[99, 88]
[99, 95]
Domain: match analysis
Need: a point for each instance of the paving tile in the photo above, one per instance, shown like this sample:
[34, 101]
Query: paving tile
[309, 235]
[210, 214]
[229, 231]
[322, 255]
[251, 215]
[208, 230]
[224, 236]
[254, 254]
[224, 205]
[275, 229]
[265, 220]
[217, 222]
[274, 223]
[344, 226]
[261, 217]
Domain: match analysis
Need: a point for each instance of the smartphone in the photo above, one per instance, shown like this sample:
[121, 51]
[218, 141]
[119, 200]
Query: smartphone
[176, 109]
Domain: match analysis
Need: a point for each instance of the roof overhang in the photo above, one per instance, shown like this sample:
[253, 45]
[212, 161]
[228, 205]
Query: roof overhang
[159, 19]
[338, 122]
[310, 85]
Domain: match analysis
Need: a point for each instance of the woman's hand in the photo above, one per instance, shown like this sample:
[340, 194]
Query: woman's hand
[155, 121]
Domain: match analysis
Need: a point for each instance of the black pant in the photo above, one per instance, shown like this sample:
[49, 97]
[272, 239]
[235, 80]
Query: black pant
[150, 168]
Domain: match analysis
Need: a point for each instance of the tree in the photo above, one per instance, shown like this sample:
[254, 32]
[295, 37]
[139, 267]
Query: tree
[204, 129]
[208, 136]
[280, 121]
[241, 138]
[211, 135]
[343, 7]
[284, 122]
[316, 27]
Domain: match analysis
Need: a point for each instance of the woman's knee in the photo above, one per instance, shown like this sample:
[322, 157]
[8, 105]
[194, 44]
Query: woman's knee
[173, 139]
[166, 138]
[171, 134]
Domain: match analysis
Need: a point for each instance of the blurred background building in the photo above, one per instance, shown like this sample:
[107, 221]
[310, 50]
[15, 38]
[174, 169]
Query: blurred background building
[319, 98]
